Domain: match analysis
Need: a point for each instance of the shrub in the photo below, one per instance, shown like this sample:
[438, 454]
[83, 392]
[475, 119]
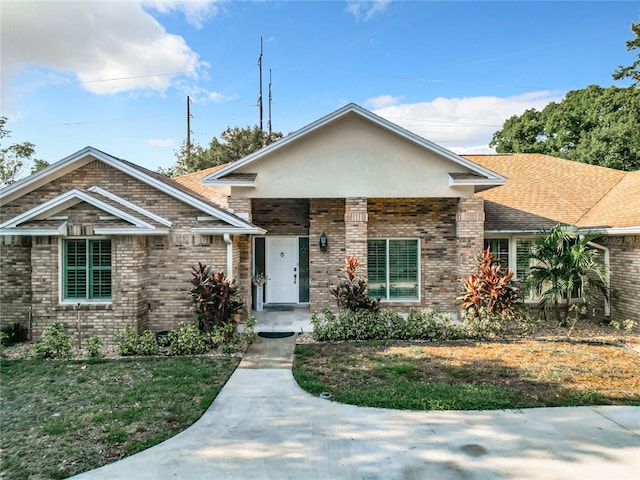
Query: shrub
[216, 298]
[56, 343]
[93, 346]
[187, 340]
[428, 324]
[490, 288]
[130, 343]
[352, 292]
[16, 333]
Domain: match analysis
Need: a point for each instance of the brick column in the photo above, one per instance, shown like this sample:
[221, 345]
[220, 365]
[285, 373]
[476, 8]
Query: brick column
[355, 232]
[241, 207]
[470, 233]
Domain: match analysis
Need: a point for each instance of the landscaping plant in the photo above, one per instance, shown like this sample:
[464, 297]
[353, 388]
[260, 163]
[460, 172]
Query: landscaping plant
[56, 343]
[563, 262]
[352, 292]
[130, 343]
[93, 346]
[187, 340]
[216, 298]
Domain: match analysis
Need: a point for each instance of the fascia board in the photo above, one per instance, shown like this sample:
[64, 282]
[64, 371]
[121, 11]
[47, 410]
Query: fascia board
[69, 198]
[352, 107]
[129, 231]
[59, 168]
[223, 230]
[132, 206]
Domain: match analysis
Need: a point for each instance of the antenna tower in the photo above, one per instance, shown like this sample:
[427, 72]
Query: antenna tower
[260, 96]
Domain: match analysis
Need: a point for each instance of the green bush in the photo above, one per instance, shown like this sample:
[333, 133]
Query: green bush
[93, 346]
[56, 343]
[385, 324]
[484, 324]
[187, 340]
[130, 343]
[16, 333]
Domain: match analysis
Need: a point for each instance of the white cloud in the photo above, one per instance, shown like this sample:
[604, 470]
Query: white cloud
[197, 12]
[383, 101]
[365, 10]
[156, 142]
[201, 95]
[108, 47]
[464, 125]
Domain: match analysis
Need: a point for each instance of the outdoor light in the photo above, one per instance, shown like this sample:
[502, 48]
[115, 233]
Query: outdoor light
[323, 242]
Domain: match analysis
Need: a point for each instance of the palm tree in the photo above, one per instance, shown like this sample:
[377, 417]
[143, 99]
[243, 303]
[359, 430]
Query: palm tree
[563, 262]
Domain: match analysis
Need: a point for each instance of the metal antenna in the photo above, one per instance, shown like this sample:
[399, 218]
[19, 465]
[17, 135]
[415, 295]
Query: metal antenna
[260, 97]
[270, 99]
[188, 127]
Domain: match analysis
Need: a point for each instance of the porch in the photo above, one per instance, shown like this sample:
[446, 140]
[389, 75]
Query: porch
[283, 318]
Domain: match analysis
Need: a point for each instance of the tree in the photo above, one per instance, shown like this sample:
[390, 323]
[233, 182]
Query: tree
[14, 157]
[632, 71]
[564, 263]
[235, 143]
[595, 125]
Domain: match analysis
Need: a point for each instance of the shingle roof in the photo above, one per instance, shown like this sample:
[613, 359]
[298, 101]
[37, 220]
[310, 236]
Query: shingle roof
[542, 191]
[193, 181]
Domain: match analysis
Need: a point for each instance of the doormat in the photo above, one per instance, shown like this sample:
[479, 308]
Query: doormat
[279, 308]
[275, 334]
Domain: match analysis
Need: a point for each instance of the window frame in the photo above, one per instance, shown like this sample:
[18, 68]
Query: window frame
[513, 241]
[388, 298]
[63, 268]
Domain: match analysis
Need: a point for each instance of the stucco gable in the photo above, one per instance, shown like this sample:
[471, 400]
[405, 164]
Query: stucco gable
[353, 152]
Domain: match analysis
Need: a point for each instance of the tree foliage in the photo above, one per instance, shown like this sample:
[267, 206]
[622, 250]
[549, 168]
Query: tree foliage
[235, 143]
[595, 125]
[564, 263]
[14, 157]
[631, 72]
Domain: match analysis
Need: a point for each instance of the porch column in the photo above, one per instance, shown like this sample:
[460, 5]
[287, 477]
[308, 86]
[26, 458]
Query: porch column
[240, 206]
[470, 233]
[355, 231]
[241, 256]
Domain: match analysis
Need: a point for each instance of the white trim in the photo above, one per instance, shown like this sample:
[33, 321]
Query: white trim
[388, 283]
[129, 231]
[61, 268]
[223, 230]
[353, 108]
[69, 199]
[607, 266]
[87, 155]
[614, 231]
[61, 231]
[132, 206]
[231, 183]
[229, 242]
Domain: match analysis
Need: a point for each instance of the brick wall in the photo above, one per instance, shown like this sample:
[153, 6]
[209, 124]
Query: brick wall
[15, 280]
[625, 276]
[433, 222]
[356, 219]
[325, 215]
[287, 216]
[470, 233]
[152, 271]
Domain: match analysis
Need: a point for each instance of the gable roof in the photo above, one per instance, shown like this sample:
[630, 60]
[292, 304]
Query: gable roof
[542, 191]
[153, 179]
[226, 176]
[73, 197]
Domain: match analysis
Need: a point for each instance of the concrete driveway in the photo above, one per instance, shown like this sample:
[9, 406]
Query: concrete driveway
[263, 426]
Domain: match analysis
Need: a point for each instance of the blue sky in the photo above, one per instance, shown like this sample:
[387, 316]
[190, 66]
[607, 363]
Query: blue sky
[115, 74]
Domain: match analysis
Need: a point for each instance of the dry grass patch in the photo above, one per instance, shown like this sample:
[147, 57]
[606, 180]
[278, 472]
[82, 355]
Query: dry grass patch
[472, 375]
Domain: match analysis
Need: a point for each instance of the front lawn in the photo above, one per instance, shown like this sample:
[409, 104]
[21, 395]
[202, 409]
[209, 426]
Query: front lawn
[62, 417]
[471, 375]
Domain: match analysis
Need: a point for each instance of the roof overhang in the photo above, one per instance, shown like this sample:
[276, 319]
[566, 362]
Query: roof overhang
[227, 175]
[65, 201]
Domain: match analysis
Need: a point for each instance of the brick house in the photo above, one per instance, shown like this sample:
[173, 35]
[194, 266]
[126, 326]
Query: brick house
[118, 241]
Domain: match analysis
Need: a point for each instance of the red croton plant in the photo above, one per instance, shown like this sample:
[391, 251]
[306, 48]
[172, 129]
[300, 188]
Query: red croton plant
[490, 286]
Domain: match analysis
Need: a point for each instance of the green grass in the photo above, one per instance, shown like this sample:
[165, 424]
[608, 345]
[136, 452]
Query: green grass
[60, 418]
[469, 376]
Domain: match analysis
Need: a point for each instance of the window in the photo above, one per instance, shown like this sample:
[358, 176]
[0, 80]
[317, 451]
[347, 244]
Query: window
[87, 269]
[499, 248]
[523, 261]
[392, 267]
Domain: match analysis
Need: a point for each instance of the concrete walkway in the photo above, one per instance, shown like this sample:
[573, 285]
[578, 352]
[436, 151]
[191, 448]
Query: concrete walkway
[263, 426]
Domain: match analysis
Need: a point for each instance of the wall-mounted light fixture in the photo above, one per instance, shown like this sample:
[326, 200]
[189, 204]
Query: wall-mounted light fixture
[323, 242]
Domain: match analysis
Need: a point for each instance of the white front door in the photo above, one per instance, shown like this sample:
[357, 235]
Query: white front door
[282, 270]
